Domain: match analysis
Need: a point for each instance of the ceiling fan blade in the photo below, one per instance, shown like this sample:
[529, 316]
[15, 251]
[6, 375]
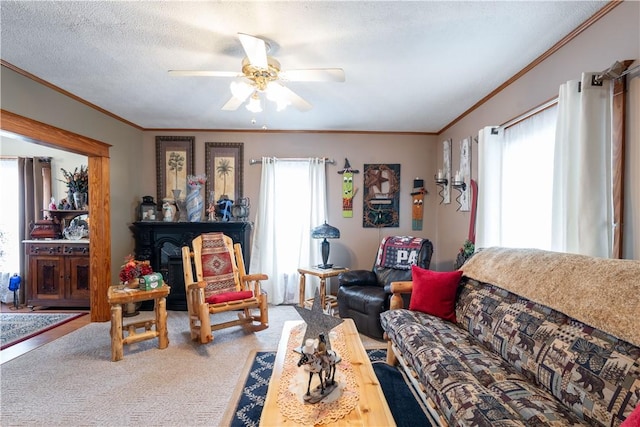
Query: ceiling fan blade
[295, 99]
[256, 50]
[197, 73]
[233, 104]
[313, 75]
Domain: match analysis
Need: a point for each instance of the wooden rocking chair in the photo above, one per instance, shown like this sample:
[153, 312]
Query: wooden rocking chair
[221, 284]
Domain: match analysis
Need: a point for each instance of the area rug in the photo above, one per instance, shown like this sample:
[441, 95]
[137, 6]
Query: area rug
[404, 404]
[17, 327]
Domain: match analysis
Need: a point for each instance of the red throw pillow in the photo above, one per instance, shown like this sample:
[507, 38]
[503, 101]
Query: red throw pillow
[434, 292]
[633, 420]
[229, 296]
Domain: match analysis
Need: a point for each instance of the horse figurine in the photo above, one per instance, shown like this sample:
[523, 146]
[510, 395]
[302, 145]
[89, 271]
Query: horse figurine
[319, 362]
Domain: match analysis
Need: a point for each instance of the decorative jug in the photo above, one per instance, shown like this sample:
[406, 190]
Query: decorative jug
[240, 210]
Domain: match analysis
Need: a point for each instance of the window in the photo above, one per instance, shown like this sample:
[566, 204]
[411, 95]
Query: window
[516, 179]
[9, 223]
[292, 202]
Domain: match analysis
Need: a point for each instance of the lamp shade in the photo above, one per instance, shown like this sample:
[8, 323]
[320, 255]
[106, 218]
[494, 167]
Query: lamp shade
[325, 231]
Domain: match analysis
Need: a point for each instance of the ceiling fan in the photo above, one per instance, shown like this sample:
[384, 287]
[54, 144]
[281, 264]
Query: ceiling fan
[262, 74]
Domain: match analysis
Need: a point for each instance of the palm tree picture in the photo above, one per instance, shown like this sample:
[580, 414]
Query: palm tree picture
[223, 169]
[175, 163]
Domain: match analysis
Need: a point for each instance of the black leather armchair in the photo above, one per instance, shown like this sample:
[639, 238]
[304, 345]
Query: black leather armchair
[364, 294]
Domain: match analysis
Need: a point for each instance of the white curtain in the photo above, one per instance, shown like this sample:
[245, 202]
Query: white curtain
[489, 216]
[631, 226]
[515, 172]
[582, 212]
[292, 201]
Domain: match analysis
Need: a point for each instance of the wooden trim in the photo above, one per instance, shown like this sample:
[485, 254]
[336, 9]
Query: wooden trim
[358, 132]
[43, 134]
[619, 111]
[556, 47]
[40, 133]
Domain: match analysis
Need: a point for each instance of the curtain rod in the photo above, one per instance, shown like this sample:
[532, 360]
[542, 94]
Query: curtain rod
[326, 159]
[554, 101]
[526, 115]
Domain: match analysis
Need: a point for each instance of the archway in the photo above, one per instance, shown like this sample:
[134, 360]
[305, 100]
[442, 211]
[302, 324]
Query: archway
[97, 152]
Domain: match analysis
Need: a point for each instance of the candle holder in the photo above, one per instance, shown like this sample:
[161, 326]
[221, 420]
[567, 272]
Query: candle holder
[441, 182]
[461, 187]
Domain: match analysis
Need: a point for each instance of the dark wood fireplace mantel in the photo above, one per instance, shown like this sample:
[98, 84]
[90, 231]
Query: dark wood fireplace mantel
[161, 243]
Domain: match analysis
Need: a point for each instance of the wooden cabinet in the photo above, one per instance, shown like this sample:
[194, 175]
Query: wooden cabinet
[161, 243]
[58, 273]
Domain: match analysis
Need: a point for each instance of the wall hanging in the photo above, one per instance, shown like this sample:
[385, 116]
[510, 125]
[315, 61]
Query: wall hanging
[462, 178]
[174, 161]
[224, 166]
[417, 203]
[381, 207]
[348, 189]
[443, 179]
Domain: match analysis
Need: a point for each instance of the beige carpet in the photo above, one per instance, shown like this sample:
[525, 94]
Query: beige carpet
[72, 381]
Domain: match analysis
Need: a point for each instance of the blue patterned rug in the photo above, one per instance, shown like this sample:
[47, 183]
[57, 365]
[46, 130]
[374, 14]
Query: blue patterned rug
[406, 409]
[17, 327]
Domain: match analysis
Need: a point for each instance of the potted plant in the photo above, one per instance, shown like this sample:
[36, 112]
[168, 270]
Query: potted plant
[77, 186]
[466, 251]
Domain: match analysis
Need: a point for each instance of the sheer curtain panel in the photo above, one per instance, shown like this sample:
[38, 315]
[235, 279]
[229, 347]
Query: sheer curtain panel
[292, 201]
[515, 172]
[582, 212]
[489, 216]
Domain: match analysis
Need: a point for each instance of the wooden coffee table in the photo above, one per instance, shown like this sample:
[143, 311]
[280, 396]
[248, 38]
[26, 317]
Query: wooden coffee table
[372, 408]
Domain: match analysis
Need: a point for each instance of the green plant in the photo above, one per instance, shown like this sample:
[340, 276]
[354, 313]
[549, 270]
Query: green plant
[468, 248]
[466, 251]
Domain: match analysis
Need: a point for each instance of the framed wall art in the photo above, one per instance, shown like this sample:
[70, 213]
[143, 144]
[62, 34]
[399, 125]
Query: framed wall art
[174, 161]
[381, 207]
[224, 167]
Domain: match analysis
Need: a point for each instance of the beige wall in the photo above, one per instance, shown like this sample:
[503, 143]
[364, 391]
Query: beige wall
[357, 245]
[614, 37]
[23, 96]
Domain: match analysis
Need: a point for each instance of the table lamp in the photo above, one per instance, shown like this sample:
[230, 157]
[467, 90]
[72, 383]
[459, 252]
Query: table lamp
[325, 231]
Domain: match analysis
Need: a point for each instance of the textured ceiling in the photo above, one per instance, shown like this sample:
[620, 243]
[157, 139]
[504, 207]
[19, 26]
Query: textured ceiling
[410, 66]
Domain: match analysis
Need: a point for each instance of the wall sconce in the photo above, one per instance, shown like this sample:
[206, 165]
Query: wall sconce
[325, 231]
[459, 184]
[441, 182]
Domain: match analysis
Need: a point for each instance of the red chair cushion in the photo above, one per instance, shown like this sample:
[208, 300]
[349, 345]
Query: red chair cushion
[434, 292]
[229, 296]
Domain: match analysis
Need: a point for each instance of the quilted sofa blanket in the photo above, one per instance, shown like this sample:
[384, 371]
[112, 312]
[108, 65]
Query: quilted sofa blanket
[541, 338]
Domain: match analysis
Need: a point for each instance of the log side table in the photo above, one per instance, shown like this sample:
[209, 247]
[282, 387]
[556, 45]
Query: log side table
[323, 274]
[117, 296]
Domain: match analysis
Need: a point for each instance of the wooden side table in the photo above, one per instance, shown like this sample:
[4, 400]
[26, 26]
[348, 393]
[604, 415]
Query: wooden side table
[117, 297]
[323, 274]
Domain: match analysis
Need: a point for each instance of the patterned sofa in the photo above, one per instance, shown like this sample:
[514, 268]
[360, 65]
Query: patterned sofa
[541, 338]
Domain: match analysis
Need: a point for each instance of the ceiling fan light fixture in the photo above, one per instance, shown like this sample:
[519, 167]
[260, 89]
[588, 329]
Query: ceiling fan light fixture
[254, 104]
[277, 94]
[241, 90]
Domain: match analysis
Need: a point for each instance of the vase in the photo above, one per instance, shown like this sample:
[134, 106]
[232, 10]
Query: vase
[80, 200]
[195, 204]
[169, 210]
[180, 207]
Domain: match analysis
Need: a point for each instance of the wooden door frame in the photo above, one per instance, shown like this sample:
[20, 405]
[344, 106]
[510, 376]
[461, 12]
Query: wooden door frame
[23, 128]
